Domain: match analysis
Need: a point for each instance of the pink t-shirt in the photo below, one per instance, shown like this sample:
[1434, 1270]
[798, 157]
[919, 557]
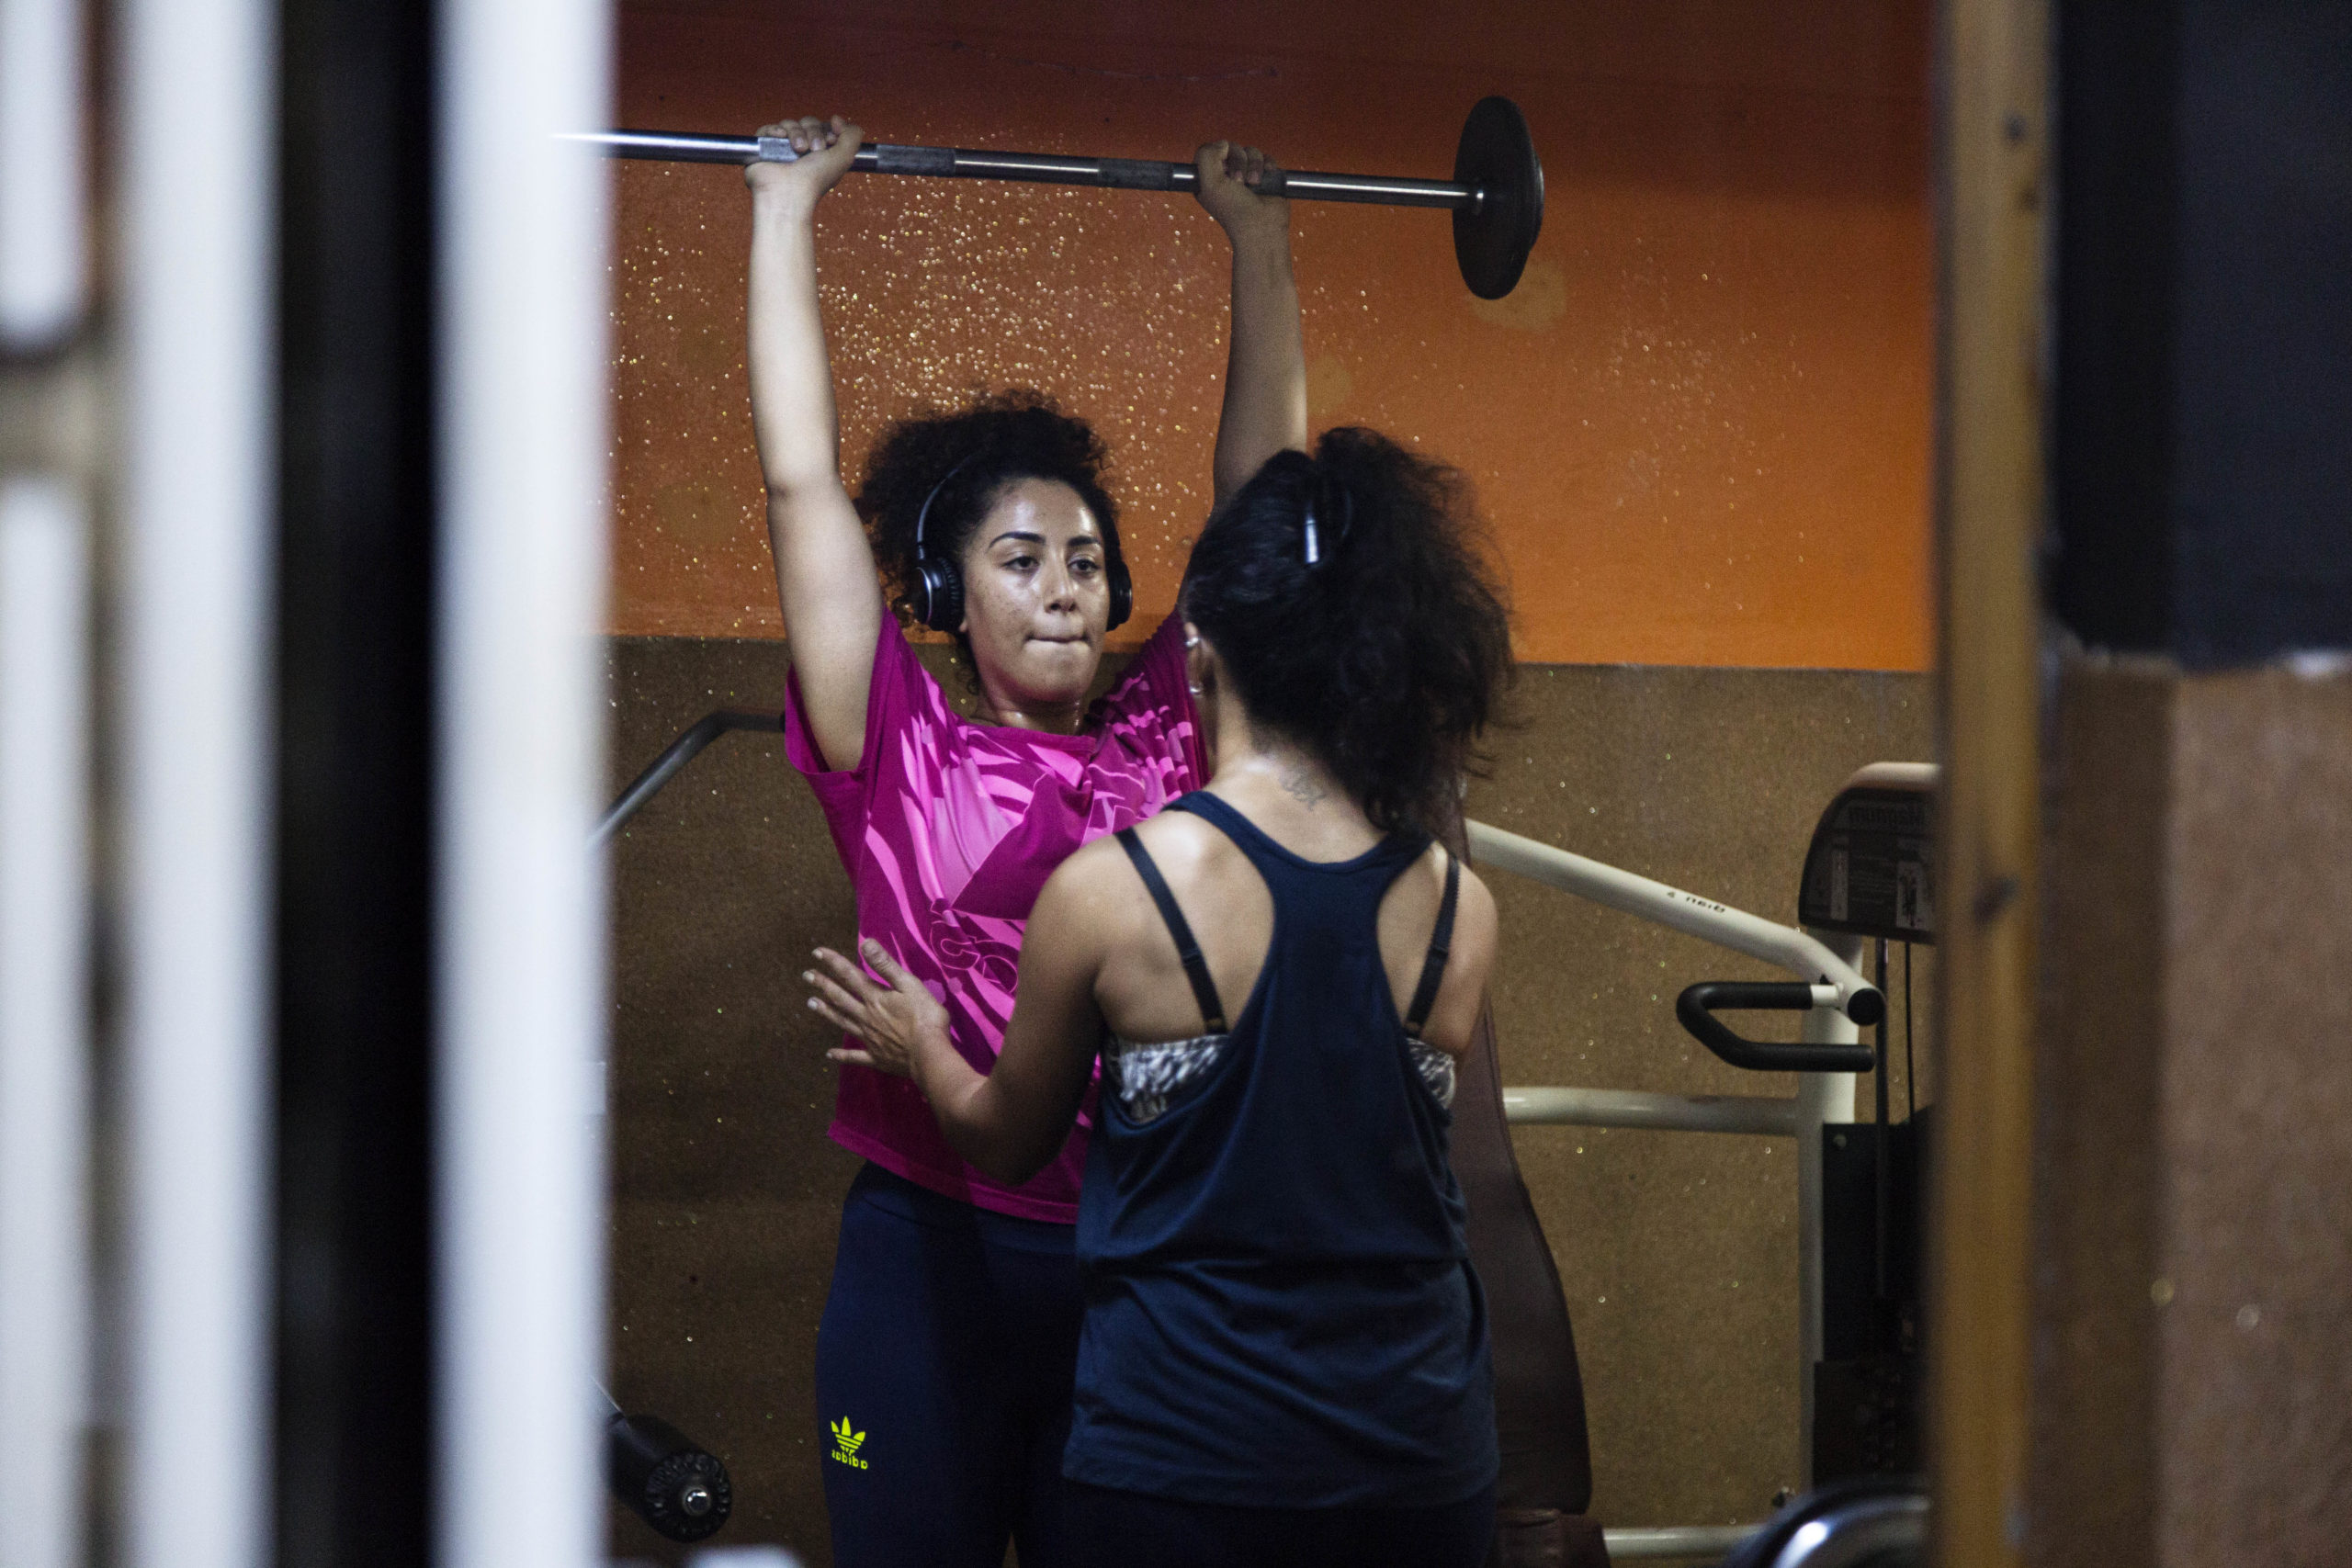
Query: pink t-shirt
[948, 829]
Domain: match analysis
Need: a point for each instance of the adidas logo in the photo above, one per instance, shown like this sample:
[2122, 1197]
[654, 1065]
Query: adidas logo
[847, 1444]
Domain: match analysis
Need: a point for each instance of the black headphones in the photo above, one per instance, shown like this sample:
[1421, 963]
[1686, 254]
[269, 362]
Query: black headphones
[936, 594]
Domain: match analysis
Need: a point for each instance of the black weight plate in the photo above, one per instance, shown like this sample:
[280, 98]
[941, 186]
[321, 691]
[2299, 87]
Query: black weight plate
[1497, 155]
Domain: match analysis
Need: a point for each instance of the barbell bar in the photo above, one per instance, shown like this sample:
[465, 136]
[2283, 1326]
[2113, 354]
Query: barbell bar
[1496, 194]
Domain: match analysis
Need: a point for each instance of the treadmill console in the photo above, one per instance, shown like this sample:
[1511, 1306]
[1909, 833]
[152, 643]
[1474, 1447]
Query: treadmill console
[1871, 868]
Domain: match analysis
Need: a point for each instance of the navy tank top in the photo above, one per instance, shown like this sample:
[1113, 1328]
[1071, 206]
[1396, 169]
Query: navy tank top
[1280, 1307]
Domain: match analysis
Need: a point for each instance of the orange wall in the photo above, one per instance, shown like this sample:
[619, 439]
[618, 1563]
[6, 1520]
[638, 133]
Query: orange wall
[1701, 425]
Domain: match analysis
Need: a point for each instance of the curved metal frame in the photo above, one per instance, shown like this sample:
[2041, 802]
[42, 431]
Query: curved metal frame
[1823, 961]
[1860, 1534]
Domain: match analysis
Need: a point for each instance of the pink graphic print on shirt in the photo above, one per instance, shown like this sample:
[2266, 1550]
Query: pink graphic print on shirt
[948, 829]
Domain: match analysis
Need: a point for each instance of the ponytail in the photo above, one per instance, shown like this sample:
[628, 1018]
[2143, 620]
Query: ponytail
[1351, 598]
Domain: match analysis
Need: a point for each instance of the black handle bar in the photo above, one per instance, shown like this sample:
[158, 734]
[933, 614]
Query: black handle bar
[1695, 1008]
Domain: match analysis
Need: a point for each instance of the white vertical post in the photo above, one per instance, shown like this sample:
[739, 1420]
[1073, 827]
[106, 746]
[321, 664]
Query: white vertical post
[1821, 1099]
[521, 949]
[44, 818]
[44, 1030]
[195, 183]
[43, 250]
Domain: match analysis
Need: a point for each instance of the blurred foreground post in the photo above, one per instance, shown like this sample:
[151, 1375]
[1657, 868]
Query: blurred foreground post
[44, 1021]
[521, 906]
[46, 456]
[192, 709]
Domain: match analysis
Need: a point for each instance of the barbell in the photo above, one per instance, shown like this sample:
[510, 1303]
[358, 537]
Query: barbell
[1496, 194]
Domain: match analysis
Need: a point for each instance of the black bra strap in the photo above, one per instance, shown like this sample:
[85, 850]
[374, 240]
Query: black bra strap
[1440, 942]
[1196, 968]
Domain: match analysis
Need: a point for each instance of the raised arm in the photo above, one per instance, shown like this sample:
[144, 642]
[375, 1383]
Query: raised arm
[824, 568]
[1265, 376]
[1012, 1121]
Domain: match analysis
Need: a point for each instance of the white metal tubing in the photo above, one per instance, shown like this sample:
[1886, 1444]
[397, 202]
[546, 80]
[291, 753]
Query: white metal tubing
[43, 245]
[44, 829]
[1678, 1540]
[1828, 960]
[1794, 950]
[521, 946]
[1821, 1099]
[1634, 1109]
[194, 186]
[44, 1043]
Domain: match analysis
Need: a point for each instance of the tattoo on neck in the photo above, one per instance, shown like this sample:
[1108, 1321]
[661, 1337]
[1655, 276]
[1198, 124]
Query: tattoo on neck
[1304, 786]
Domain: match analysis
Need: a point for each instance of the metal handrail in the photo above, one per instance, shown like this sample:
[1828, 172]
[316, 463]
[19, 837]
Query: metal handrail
[1863, 1532]
[1678, 1540]
[1800, 953]
[1762, 1115]
[676, 755]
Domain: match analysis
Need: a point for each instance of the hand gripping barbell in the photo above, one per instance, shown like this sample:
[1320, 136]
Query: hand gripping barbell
[1496, 195]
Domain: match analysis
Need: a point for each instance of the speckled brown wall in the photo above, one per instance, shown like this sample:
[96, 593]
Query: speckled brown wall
[1678, 1251]
[2099, 1083]
[1702, 419]
[726, 1193]
[2193, 1390]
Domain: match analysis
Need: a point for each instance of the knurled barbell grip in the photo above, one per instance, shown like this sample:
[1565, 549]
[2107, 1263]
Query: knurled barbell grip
[1137, 173]
[892, 158]
[876, 157]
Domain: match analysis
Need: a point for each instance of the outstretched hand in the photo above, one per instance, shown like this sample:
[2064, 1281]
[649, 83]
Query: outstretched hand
[1230, 177]
[825, 148]
[899, 1022]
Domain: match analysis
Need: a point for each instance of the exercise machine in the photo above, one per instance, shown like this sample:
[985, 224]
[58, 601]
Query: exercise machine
[1868, 879]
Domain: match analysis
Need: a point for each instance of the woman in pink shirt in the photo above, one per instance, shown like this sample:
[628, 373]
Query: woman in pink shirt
[945, 1355]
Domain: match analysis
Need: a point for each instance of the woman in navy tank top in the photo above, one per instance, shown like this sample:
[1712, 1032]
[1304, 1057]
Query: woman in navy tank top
[1284, 1355]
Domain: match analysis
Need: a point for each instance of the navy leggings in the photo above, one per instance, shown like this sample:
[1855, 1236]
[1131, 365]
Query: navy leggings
[1129, 1529]
[948, 1344]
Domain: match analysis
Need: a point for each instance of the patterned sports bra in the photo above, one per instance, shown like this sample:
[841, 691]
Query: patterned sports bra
[1147, 1077]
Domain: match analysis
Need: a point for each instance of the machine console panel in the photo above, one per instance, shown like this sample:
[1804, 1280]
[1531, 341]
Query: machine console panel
[1871, 868]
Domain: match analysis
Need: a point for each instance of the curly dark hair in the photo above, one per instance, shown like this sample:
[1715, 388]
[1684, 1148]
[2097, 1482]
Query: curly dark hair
[1387, 658]
[1001, 439]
